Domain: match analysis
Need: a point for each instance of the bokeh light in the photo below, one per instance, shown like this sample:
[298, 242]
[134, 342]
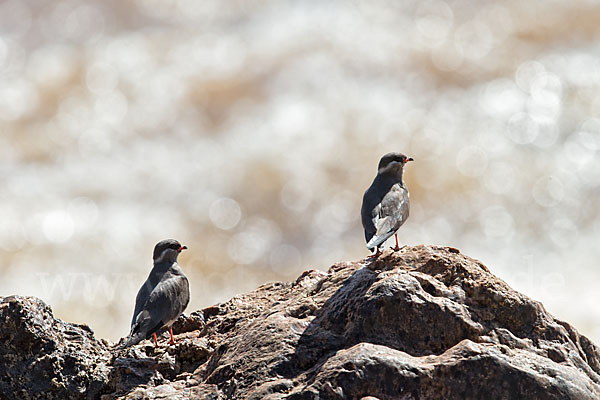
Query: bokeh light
[250, 132]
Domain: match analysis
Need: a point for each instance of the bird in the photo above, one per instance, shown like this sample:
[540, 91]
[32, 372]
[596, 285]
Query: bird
[163, 297]
[385, 205]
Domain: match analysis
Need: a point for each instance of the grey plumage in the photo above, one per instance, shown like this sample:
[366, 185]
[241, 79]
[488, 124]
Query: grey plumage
[385, 205]
[164, 295]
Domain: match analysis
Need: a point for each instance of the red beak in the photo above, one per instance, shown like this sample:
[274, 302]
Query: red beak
[409, 159]
[183, 248]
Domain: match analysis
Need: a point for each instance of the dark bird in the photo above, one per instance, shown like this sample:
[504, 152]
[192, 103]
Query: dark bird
[163, 297]
[385, 205]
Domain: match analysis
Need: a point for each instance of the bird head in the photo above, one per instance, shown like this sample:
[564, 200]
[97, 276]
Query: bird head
[167, 251]
[393, 161]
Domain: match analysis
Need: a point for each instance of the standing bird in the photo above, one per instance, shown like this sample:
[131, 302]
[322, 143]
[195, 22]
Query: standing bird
[163, 297]
[386, 202]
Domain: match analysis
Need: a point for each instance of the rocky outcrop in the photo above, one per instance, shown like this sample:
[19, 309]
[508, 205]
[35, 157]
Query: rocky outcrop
[423, 323]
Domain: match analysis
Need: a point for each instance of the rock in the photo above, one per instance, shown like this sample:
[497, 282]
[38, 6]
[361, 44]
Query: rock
[44, 357]
[426, 322]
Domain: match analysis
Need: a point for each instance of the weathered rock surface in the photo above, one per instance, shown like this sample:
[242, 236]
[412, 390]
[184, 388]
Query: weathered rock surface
[423, 323]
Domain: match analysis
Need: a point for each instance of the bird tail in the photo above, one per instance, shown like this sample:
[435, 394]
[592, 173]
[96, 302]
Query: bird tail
[374, 242]
[140, 332]
[132, 339]
[135, 336]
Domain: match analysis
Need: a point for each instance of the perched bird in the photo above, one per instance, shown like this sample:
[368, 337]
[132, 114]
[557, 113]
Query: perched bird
[163, 297]
[386, 202]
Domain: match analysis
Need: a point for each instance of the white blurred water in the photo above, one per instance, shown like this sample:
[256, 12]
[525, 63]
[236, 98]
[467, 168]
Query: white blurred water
[249, 131]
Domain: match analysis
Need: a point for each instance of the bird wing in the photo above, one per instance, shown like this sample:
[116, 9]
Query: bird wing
[389, 215]
[141, 298]
[164, 304]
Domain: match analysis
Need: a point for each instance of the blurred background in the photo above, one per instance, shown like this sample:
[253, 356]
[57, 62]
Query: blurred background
[249, 131]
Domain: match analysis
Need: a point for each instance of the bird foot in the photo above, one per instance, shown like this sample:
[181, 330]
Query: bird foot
[376, 254]
[397, 248]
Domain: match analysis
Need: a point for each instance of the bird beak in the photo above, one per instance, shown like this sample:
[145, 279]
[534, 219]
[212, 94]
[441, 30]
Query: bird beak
[183, 248]
[409, 159]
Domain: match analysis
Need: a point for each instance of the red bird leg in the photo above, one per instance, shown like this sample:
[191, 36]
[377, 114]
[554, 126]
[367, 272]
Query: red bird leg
[155, 340]
[376, 254]
[171, 332]
[397, 247]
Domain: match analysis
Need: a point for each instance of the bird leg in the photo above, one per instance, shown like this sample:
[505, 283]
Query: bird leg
[397, 247]
[376, 254]
[155, 340]
[171, 332]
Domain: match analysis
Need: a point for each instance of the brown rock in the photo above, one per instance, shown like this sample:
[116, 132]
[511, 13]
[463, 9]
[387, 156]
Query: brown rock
[424, 323]
[43, 357]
